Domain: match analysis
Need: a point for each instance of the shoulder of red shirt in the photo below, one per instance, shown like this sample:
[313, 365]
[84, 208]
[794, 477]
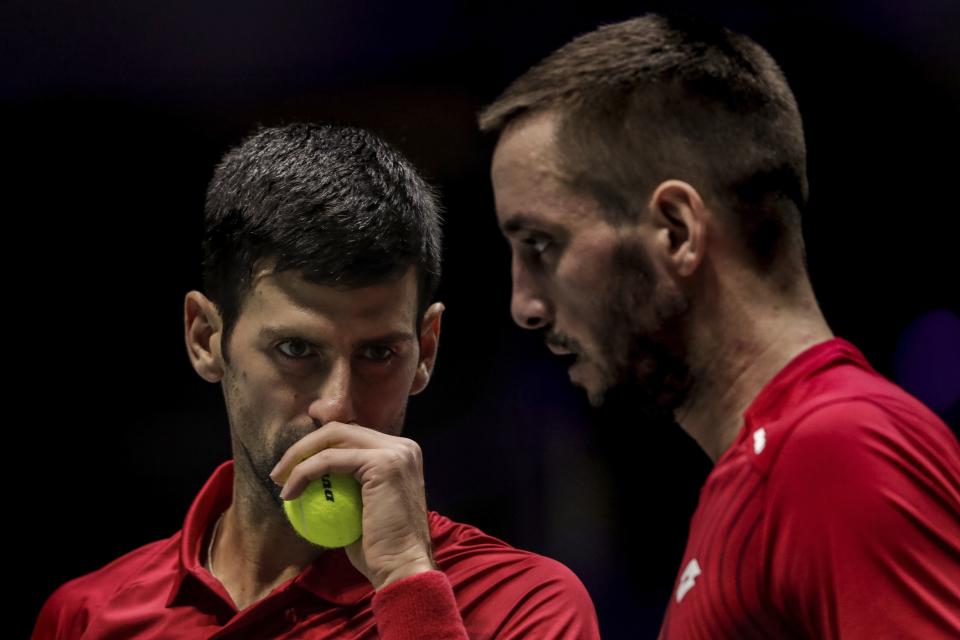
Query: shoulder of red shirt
[831, 402]
[71, 603]
[862, 492]
[528, 588]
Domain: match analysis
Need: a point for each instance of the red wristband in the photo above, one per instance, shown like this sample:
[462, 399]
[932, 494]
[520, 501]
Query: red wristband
[418, 607]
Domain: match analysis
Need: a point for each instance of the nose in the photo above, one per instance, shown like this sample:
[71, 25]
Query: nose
[334, 401]
[528, 304]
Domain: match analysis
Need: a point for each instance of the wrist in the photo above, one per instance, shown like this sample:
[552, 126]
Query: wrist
[405, 571]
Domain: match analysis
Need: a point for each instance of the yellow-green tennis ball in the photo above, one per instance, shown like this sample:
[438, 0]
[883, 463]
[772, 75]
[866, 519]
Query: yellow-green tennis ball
[328, 512]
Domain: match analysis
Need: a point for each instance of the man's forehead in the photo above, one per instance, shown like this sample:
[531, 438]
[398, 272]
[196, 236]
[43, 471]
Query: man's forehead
[531, 188]
[528, 142]
[394, 298]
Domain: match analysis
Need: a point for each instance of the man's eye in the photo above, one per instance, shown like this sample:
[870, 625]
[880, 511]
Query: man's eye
[536, 244]
[377, 354]
[295, 348]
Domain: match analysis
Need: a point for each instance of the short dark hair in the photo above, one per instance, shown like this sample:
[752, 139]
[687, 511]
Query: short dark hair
[655, 98]
[336, 203]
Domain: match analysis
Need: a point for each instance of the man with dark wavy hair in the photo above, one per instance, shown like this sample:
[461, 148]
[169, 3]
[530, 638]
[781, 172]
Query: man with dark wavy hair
[650, 178]
[321, 260]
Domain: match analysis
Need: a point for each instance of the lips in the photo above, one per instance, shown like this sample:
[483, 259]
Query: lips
[557, 350]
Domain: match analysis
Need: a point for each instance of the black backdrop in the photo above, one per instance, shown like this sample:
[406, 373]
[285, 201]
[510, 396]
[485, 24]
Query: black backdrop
[114, 114]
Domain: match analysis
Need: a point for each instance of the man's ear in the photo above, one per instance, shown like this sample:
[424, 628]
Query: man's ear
[429, 343]
[680, 221]
[203, 330]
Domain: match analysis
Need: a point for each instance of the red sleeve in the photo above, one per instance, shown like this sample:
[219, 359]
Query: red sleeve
[420, 607]
[864, 525]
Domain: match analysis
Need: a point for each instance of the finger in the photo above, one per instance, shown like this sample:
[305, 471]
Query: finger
[330, 435]
[348, 461]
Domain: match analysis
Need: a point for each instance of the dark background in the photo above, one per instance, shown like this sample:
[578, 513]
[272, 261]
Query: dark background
[115, 112]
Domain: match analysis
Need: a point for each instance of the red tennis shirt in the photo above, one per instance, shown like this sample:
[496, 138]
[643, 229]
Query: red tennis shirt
[484, 588]
[835, 514]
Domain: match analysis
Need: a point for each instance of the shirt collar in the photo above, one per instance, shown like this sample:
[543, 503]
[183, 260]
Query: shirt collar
[789, 382]
[331, 576]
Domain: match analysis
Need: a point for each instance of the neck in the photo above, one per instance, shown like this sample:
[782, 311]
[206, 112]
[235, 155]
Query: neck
[743, 341]
[255, 550]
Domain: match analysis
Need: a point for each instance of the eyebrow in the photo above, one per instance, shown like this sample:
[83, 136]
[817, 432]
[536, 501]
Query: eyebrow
[528, 222]
[389, 338]
[517, 222]
[525, 221]
[272, 333]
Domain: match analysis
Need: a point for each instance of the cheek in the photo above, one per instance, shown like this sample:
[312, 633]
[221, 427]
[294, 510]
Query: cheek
[588, 265]
[259, 397]
[241, 407]
[265, 389]
[583, 289]
[382, 395]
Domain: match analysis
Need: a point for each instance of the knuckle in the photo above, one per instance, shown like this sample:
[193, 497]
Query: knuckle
[410, 447]
[395, 458]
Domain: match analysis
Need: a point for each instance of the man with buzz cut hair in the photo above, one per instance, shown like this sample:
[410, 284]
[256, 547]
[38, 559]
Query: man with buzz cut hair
[650, 178]
[321, 260]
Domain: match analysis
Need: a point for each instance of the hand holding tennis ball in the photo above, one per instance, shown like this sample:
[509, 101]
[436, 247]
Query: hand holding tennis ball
[395, 536]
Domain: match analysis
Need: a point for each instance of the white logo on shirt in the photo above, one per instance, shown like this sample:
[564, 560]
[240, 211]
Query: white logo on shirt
[688, 578]
[759, 440]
